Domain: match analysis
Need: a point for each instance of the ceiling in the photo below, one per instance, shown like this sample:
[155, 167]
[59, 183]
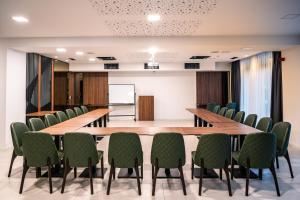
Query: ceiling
[120, 28]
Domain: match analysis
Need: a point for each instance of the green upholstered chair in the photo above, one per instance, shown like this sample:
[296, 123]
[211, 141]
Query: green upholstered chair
[211, 106]
[17, 130]
[78, 111]
[231, 105]
[50, 120]
[39, 151]
[125, 151]
[36, 124]
[258, 151]
[213, 152]
[84, 109]
[61, 116]
[223, 111]
[251, 120]
[283, 130]
[70, 113]
[216, 109]
[168, 151]
[80, 151]
[230, 113]
[239, 117]
[264, 124]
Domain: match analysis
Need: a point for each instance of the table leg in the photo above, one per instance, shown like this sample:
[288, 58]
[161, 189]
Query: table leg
[199, 122]
[195, 121]
[104, 120]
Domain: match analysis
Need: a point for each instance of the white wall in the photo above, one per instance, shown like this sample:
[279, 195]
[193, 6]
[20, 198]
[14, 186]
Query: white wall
[291, 106]
[2, 92]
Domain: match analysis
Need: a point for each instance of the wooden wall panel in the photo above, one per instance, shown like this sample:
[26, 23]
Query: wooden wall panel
[212, 87]
[60, 88]
[146, 108]
[71, 88]
[95, 88]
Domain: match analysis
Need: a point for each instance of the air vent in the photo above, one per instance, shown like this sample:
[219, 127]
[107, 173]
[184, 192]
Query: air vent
[191, 65]
[106, 58]
[233, 58]
[111, 66]
[72, 59]
[199, 57]
[146, 66]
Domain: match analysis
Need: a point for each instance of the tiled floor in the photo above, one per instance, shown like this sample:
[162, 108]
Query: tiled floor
[123, 189]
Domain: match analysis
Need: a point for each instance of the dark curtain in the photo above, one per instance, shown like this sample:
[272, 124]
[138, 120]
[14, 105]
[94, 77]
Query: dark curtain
[236, 83]
[32, 62]
[276, 90]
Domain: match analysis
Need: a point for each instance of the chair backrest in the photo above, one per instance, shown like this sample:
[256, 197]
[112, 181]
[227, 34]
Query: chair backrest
[239, 117]
[251, 120]
[50, 120]
[61, 116]
[70, 113]
[231, 105]
[211, 106]
[223, 111]
[84, 109]
[214, 149]
[125, 149]
[260, 149]
[282, 130]
[264, 124]
[168, 149]
[36, 124]
[17, 130]
[230, 113]
[216, 109]
[78, 111]
[79, 148]
[38, 147]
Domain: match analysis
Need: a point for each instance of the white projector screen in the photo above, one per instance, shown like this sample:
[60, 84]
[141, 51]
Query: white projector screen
[121, 94]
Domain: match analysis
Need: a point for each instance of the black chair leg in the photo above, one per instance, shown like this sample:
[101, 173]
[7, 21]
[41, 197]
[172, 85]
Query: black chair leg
[38, 172]
[193, 168]
[66, 169]
[277, 163]
[13, 157]
[247, 177]
[102, 168]
[91, 175]
[232, 168]
[221, 174]
[182, 180]
[114, 173]
[200, 181]
[228, 180]
[152, 171]
[110, 177]
[49, 174]
[154, 178]
[260, 174]
[25, 169]
[138, 177]
[75, 172]
[142, 172]
[272, 169]
[287, 157]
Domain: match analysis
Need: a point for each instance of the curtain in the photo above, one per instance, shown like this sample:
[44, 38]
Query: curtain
[256, 81]
[276, 91]
[236, 83]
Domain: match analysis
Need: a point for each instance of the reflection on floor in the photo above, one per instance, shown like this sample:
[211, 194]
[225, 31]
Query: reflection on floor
[166, 189]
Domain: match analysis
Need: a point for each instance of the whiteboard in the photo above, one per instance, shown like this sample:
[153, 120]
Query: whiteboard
[121, 94]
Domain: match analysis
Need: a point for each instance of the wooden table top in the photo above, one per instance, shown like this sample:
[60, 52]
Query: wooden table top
[40, 114]
[209, 116]
[76, 122]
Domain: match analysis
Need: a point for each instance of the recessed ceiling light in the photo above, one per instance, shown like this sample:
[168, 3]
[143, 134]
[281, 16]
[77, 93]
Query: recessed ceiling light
[152, 50]
[92, 59]
[246, 56]
[20, 19]
[67, 60]
[56, 57]
[61, 50]
[79, 53]
[153, 17]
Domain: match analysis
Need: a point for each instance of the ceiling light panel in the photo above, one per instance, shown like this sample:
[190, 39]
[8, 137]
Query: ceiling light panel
[61, 50]
[20, 19]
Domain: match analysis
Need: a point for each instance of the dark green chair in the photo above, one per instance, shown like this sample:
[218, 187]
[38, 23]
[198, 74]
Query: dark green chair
[283, 131]
[259, 152]
[39, 151]
[211, 106]
[50, 120]
[168, 151]
[230, 113]
[61, 116]
[264, 124]
[17, 130]
[80, 151]
[223, 111]
[213, 152]
[125, 151]
[231, 105]
[251, 120]
[36, 124]
[216, 109]
[84, 109]
[239, 117]
[78, 111]
[70, 113]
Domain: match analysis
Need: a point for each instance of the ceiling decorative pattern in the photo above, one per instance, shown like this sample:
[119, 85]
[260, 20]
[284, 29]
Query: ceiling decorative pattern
[145, 7]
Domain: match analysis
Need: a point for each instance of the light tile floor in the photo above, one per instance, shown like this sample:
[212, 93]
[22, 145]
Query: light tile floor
[166, 189]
